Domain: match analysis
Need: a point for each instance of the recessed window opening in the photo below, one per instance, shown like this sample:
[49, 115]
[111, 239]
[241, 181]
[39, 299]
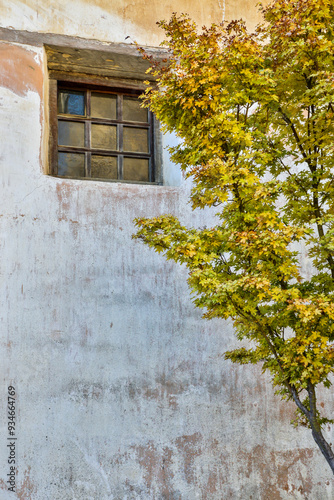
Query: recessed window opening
[103, 134]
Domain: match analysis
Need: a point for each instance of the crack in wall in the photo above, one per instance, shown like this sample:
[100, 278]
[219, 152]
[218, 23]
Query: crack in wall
[95, 465]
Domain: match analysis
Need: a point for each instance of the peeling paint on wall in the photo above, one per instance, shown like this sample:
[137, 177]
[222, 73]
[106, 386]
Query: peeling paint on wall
[114, 20]
[122, 389]
[19, 70]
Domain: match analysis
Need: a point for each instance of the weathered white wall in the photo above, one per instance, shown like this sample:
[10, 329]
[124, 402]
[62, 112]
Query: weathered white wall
[113, 20]
[121, 389]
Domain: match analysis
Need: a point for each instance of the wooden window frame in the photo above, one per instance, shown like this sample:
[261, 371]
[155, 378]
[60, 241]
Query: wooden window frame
[116, 87]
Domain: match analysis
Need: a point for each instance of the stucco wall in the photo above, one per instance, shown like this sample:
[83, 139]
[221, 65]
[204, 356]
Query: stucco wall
[113, 20]
[122, 392]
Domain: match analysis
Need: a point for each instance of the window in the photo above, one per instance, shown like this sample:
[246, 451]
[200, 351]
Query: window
[101, 133]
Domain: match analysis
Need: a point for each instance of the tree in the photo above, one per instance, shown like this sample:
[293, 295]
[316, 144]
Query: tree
[255, 114]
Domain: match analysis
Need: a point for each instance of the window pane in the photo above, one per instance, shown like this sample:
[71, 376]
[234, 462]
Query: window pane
[132, 110]
[135, 169]
[103, 106]
[71, 134]
[71, 103]
[135, 139]
[71, 164]
[104, 137]
[104, 167]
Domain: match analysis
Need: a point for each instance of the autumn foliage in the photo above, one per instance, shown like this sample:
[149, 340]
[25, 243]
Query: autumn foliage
[255, 114]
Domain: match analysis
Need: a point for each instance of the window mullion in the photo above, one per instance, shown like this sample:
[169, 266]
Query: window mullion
[120, 167]
[151, 147]
[120, 136]
[88, 103]
[88, 163]
[120, 108]
[88, 135]
[134, 164]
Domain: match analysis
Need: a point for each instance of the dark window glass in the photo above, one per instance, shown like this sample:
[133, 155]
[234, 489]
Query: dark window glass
[132, 111]
[104, 167]
[71, 164]
[96, 139]
[135, 139]
[71, 134]
[136, 169]
[71, 103]
[104, 106]
[104, 137]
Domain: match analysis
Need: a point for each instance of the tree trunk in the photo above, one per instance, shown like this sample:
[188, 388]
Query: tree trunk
[324, 447]
[318, 437]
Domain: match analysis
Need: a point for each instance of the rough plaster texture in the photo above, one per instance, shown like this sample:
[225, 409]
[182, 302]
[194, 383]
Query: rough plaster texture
[121, 389]
[113, 20]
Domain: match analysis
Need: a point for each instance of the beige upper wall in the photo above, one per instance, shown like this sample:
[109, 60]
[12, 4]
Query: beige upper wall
[114, 20]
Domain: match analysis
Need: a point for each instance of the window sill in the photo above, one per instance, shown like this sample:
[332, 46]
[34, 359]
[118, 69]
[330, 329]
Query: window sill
[110, 181]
